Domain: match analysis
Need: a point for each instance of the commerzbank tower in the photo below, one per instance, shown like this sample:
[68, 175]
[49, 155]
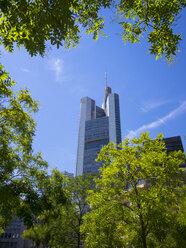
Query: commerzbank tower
[97, 127]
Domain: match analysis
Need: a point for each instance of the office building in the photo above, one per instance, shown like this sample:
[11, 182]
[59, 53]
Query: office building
[68, 174]
[97, 127]
[173, 144]
[12, 235]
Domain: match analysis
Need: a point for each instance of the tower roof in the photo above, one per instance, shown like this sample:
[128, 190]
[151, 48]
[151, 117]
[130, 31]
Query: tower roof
[107, 91]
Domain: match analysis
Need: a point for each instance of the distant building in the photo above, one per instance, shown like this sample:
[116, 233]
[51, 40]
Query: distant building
[68, 174]
[11, 238]
[97, 127]
[173, 144]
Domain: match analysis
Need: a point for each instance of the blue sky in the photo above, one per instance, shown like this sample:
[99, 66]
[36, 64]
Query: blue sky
[152, 93]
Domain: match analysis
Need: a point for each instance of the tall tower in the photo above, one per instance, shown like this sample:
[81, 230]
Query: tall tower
[97, 127]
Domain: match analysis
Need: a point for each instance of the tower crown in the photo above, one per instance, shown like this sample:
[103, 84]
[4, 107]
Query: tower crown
[107, 92]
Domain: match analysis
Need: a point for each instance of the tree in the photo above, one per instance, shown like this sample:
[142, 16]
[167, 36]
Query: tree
[157, 19]
[78, 189]
[61, 23]
[41, 209]
[59, 225]
[18, 164]
[138, 197]
[58, 21]
[1, 224]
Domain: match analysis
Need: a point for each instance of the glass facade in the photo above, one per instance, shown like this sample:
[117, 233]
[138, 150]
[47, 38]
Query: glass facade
[99, 112]
[118, 126]
[173, 144]
[96, 136]
[96, 129]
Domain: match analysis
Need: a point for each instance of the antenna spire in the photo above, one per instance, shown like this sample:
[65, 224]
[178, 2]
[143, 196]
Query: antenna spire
[105, 80]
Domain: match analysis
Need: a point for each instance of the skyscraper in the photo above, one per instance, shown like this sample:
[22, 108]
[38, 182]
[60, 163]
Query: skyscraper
[97, 127]
[68, 174]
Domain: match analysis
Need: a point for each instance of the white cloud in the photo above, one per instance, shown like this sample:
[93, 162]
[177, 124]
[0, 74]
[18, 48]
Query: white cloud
[57, 65]
[159, 122]
[58, 68]
[25, 70]
[149, 105]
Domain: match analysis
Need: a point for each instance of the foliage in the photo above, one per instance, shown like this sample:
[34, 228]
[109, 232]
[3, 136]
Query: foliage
[59, 225]
[157, 18]
[138, 197]
[31, 23]
[17, 128]
[1, 224]
[41, 208]
[61, 22]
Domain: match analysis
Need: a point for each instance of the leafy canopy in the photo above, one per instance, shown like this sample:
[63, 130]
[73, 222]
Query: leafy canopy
[18, 163]
[156, 19]
[31, 23]
[138, 197]
[59, 225]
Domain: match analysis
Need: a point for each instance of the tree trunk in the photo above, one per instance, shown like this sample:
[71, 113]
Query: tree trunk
[78, 240]
[143, 234]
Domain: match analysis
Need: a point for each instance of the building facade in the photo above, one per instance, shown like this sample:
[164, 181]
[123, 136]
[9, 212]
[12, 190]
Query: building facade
[97, 127]
[12, 235]
[68, 174]
[173, 144]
